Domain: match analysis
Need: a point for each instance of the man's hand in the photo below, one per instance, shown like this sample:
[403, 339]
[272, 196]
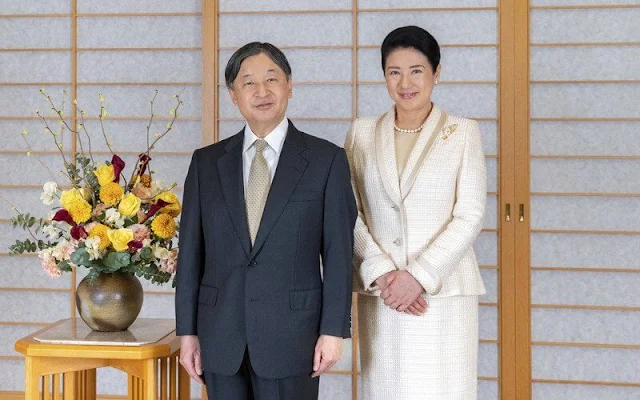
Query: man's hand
[190, 357]
[328, 352]
[402, 292]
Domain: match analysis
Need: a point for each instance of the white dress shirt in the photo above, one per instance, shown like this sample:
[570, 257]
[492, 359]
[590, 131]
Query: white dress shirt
[275, 139]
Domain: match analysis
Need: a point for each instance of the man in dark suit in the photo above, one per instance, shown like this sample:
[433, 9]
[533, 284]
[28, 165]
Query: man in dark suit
[258, 316]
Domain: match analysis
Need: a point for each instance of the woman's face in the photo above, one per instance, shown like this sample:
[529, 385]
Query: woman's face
[410, 79]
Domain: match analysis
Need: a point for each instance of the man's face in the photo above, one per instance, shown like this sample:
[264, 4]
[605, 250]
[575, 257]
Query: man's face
[261, 91]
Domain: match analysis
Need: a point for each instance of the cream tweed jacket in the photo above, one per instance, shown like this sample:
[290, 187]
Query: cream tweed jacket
[426, 220]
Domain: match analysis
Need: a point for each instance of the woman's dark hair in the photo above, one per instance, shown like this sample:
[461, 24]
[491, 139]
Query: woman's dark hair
[411, 37]
[253, 49]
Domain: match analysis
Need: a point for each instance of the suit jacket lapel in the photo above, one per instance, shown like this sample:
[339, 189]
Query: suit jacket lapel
[291, 166]
[232, 183]
[421, 148]
[386, 155]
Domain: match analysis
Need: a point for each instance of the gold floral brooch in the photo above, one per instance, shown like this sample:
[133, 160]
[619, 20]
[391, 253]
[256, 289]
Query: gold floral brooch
[448, 131]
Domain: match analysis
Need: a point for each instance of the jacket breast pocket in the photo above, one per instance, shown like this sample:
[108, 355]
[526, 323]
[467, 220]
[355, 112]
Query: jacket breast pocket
[208, 295]
[306, 194]
[305, 299]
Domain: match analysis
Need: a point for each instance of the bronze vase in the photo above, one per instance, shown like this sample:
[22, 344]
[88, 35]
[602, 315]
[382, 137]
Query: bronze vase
[110, 303]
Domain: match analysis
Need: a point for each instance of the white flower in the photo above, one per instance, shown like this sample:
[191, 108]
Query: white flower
[113, 217]
[49, 191]
[92, 245]
[146, 243]
[161, 253]
[50, 187]
[57, 251]
[51, 231]
[45, 253]
[46, 198]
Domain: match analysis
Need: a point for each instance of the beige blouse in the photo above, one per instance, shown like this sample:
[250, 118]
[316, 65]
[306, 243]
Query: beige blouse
[404, 145]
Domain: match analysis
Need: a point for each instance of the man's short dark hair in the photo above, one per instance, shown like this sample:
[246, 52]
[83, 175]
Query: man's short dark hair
[411, 37]
[250, 50]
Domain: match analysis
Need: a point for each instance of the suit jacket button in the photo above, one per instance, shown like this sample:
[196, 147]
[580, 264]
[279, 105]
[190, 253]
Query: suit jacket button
[253, 264]
[397, 242]
[396, 208]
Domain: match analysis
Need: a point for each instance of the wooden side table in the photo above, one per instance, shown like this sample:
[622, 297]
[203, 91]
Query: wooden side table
[61, 360]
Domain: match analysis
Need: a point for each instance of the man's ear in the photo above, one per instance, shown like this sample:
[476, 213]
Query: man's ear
[290, 85]
[234, 98]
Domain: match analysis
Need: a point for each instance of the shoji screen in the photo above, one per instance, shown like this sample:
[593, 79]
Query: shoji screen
[124, 50]
[333, 48]
[28, 298]
[585, 210]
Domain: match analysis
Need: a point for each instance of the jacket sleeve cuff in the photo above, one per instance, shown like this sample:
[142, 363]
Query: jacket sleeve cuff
[374, 268]
[425, 275]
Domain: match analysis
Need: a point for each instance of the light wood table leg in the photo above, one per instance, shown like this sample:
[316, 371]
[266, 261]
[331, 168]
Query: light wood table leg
[70, 385]
[32, 381]
[163, 379]
[56, 387]
[184, 384]
[173, 375]
[46, 388]
[130, 386]
[90, 384]
[151, 379]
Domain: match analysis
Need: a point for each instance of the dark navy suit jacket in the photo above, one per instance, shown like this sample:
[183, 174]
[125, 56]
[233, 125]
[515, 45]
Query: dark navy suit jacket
[273, 298]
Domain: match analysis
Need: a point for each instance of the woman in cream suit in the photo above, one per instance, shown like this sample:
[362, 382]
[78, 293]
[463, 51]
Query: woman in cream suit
[419, 176]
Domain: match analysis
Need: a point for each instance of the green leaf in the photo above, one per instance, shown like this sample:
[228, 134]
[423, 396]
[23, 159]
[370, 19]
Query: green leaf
[64, 266]
[81, 257]
[146, 254]
[116, 260]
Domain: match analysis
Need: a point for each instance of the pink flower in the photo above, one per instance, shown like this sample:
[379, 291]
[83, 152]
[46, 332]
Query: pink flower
[98, 210]
[49, 263]
[140, 232]
[143, 192]
[169, 265]
[69, 249]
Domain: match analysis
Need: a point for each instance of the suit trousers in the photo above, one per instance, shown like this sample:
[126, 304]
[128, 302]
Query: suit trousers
[246, 385]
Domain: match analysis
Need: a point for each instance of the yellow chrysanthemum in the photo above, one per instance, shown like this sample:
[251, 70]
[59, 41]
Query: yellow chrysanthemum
[111, 193]
[174, 206]
[100, 231]
[164, 226]
[80, 211]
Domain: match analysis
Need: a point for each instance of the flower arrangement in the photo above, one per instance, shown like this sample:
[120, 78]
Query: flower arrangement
[100, 220]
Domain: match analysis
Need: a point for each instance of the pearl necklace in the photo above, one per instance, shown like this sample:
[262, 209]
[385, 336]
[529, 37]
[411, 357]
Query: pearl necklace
[418, 129]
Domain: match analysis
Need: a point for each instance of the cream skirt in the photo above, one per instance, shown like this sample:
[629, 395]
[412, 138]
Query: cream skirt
[431, 357]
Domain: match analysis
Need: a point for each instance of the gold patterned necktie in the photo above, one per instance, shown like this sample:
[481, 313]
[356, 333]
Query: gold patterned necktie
[257, 188]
